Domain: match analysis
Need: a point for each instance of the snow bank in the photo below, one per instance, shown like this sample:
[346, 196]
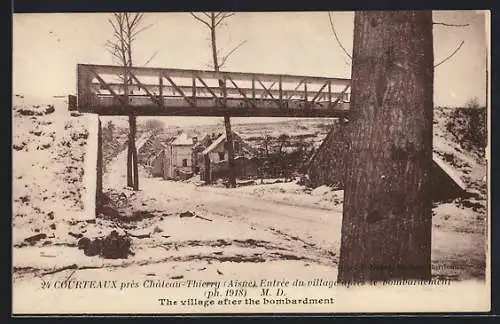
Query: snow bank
[49, 154]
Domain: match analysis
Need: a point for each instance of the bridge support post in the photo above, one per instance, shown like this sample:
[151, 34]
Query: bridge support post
[99, 166]
[92, 174]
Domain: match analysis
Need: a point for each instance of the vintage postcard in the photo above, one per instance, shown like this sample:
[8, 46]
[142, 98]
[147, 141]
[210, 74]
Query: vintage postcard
[251, 162]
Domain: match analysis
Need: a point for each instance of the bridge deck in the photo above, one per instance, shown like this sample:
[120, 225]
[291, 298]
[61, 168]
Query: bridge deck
[175, 92]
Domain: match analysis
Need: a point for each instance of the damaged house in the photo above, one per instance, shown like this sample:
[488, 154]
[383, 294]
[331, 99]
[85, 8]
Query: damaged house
[173, 158]
[213, 160]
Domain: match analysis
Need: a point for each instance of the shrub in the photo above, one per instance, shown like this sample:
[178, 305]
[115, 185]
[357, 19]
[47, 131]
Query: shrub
[468, 126]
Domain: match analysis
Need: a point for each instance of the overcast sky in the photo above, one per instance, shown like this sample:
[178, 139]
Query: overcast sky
[47, 48]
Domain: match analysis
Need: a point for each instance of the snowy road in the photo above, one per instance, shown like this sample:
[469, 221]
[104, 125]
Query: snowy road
[312, 226]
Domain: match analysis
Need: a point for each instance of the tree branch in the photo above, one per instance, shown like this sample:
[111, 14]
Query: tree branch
[449, 25]
[224, 16]
[227, 15]
[136, 20]
[451, 55]
[225, 57]
[141, 30]
[336, 37]
[200, 20]
[152, 57]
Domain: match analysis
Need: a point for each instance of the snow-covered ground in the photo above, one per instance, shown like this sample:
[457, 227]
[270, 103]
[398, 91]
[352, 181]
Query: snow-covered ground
[182, 230]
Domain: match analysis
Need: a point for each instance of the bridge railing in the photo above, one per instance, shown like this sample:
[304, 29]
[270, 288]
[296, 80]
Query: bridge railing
[106, 90]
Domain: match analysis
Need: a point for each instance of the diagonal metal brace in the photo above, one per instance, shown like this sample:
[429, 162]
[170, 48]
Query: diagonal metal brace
[269, 93]
[179, 90]
[107, 87]
[139, 83]
[241, 92]
[319, 92]
[332, 105]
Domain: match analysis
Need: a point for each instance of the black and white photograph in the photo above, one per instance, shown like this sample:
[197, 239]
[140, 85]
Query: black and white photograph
[251, 162]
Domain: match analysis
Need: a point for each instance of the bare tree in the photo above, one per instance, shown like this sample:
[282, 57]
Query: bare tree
[387, 219]
[212, 20]
[126, 27]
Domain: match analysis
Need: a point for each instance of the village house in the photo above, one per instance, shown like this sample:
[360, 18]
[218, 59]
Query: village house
[213, 160]
[173, 159]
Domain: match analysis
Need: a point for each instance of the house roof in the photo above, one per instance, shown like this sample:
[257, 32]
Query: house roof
[155, 156]
[182, 139]
[214, 144]
[245, 147]
[140, 142]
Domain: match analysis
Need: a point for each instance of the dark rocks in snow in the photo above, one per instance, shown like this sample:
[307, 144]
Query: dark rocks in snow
[53, 226]
[50, 109]
[26, 112]
[18, 146]
[139, 235]
[35, 110]
[115, 246]
[177, 277]
[75, 235]
[246, 183]
[83, 243]
[35, 238]
[191, 214]
[112, 246]
[187, 214]
[140, 215]
[93, 248]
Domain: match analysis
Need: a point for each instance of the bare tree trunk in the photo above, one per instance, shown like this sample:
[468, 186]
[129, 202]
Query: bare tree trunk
[230, 151]
[227, 120]
[132, 119]
[135, 168]
[130, 181]
[126, 26]
[100, 165]
[386, 226]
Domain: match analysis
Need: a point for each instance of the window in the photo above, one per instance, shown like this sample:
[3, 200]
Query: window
[221, 156]
[184, 162]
